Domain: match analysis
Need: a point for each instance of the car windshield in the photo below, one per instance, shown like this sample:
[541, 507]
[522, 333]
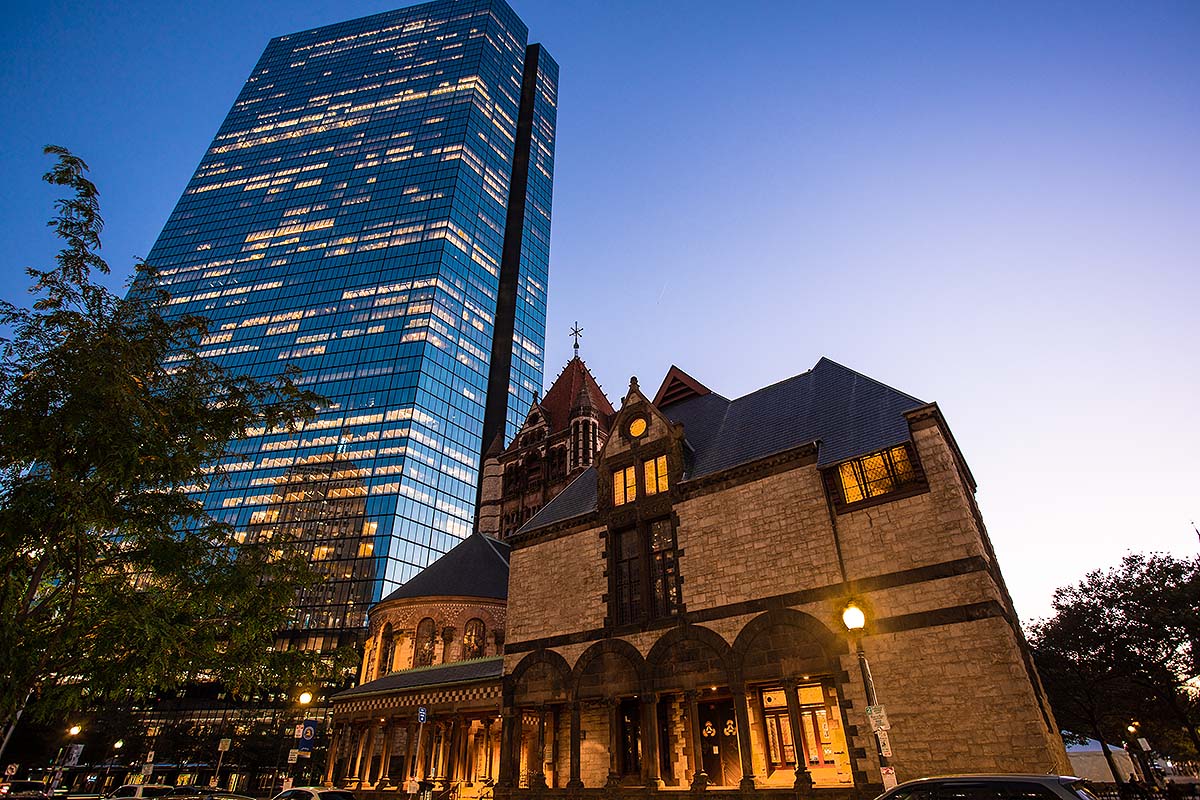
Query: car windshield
[336, 796]
[1081, 788]
[156, 791]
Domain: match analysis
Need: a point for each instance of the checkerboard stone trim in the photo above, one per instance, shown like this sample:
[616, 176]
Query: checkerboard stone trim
[396, 702]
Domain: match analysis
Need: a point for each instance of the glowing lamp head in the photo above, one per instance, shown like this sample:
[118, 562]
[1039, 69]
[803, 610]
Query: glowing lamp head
[305, 698]
[118, 744]
[74, 730]
[853, 617]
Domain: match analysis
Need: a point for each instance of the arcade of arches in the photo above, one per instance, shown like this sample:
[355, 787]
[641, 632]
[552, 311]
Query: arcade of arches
[694, 713]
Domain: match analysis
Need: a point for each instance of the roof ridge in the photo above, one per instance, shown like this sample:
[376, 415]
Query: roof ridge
[492, 545]
[866, 377]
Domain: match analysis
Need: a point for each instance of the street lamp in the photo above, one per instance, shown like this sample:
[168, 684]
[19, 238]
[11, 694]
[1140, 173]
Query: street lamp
[117, 745]
[855, 620]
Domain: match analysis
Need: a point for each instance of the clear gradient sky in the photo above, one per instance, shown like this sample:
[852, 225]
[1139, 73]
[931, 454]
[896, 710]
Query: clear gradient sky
[991, 205]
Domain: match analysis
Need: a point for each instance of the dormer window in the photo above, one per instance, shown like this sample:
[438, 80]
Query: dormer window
[877, 474]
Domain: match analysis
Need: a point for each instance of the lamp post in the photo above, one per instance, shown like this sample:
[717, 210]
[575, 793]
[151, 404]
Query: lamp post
[72, 732]
[117, 745]
[855, 620]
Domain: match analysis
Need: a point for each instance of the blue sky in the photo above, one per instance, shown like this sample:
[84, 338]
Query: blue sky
[991, 205]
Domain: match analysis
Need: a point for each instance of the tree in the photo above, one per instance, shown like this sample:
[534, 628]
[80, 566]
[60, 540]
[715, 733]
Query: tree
[114, 581]
[1121, 646]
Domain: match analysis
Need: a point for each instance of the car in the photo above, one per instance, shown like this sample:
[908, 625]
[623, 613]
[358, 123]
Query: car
[992, 787]
[313, 793]
[200, 793]
[140, 791]
[28, 790]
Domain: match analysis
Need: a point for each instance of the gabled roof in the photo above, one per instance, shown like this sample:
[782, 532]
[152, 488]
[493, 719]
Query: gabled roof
[848, 413]
[475, 567]
[477, 669]
[678, 385]
[564, 392]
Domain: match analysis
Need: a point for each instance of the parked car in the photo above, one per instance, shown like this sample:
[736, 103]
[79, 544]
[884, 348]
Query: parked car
[201, 793]
[140, 791]
[27, 790]
[992, 787]
[313, 793]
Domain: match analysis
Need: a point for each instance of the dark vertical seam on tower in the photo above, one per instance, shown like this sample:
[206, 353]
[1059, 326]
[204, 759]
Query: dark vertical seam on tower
[495, 415]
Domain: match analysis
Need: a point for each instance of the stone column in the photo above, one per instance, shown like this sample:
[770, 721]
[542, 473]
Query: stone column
[487, 749]
[331, 760]
[804, 781]
[651, 769]
[450, 748]
[368, 757]
[742, 714]
[410, 767]
[699, 776]
[555, 727]
[356, 768]
[538, 779]
[614, 742]
[575, 782]
[509, 730]
[385, 758]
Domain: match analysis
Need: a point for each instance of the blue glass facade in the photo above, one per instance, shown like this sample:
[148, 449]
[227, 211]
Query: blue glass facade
[351, 218]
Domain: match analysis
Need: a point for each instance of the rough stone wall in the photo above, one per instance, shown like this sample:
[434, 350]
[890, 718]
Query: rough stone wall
[915, 531]
[556, 586]
[755, 540]
[958, 699]
[593, 748]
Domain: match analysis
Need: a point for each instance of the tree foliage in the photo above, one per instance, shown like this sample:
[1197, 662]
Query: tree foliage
[114, 581]
[1122, 647]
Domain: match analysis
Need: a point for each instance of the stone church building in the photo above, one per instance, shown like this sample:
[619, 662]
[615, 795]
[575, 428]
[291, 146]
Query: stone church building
[681, 575]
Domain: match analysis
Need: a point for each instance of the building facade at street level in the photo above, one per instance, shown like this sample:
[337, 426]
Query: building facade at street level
[675, 614]
[374, 210]
[437, 642]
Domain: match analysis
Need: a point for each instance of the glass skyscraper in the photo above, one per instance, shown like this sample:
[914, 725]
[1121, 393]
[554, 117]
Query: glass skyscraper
[375, 210]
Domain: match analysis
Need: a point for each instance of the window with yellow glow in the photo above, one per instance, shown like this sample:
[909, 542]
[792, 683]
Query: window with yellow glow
[637, 427]
[877, 474]
[655, 471]
[624, 486]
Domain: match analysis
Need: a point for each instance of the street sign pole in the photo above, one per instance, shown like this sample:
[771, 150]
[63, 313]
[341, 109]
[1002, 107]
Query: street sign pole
[422, 715]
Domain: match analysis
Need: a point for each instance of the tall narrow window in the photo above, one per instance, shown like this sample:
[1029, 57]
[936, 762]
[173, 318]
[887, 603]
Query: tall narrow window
[425, 644]
[387, 651]
[624, 486]
[473, 639]
[664, 580]
[655, 471]
[628, 583]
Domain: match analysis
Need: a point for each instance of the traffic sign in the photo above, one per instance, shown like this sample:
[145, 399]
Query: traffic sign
[223, 745]
[308, 732]
[889, 777]
[150, 757]
[885, 743]
[293, 756]
[422, 714]
[10, 770]
[878, 718]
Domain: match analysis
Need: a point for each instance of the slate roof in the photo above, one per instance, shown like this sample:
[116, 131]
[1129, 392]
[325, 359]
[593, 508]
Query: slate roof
[477, 669]
[848, 413]
[475, 567]
[563, 392]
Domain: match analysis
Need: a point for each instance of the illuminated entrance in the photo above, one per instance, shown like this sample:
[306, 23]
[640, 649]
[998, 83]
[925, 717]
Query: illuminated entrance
[822, 741]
